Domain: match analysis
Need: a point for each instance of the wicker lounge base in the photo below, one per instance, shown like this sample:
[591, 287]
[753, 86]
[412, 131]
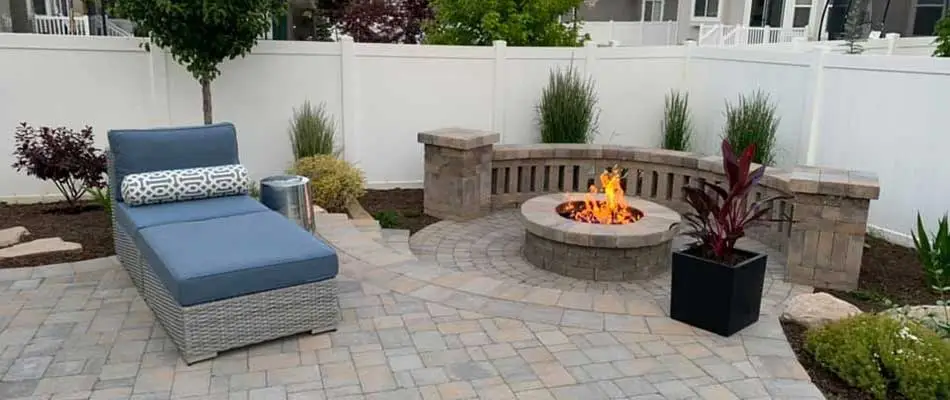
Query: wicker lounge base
[127, 254]
[202, 331]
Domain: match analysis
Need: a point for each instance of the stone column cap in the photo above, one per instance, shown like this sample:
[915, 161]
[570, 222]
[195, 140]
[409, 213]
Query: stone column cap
[835, 182]
[458, 138]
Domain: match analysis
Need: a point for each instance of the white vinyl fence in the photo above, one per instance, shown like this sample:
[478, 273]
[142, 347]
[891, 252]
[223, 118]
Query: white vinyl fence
[871, 112]
[892, 44]
[633, 33]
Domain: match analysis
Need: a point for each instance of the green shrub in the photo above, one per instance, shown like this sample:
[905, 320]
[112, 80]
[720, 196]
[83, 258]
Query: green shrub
[753, 121]
[254, 190]
[388, 219]
[334, 183]
[942, 31]
[312, 131]
[677, 127]
[567, 112]
[877, 353]
[933, 251]
[103, 198]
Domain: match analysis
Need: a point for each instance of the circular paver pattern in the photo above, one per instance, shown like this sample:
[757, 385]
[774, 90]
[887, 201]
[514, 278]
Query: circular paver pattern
[492, 245]
[600, 252]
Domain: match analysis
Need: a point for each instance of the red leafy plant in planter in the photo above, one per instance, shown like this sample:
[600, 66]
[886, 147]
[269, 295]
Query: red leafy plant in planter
[721, 214]
[63, 156]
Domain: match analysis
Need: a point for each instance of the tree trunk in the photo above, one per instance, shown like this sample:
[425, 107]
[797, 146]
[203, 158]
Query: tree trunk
[206, 100]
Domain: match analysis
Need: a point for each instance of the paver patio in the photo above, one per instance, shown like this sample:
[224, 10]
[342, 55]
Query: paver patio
[460, 316]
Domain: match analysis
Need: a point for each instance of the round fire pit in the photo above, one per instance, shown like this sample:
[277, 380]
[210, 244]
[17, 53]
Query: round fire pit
[557, 241]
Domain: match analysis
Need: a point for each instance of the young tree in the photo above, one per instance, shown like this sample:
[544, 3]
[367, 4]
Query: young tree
[200, 34]
[856, 27]
[519, 22]
[943, 37]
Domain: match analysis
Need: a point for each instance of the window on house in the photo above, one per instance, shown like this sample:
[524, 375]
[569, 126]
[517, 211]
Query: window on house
[653, 10]
[926, 15]
[801, 14]
[39, 7]
[706, 8]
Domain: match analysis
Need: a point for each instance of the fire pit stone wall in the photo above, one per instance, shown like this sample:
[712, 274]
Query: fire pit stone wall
[601, 252]
[821, 230]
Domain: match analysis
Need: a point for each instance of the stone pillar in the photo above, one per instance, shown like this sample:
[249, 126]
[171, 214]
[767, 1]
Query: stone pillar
[457, 173]
[830, 223]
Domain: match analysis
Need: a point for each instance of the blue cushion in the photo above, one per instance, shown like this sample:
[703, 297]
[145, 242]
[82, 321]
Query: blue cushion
[133, 219]
[221, 258]
[146, 150]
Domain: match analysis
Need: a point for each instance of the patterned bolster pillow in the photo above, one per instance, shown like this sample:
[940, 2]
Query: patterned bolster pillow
[184, 184]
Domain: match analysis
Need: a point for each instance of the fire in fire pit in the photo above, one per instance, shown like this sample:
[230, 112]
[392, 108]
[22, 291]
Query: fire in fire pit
[613, 210]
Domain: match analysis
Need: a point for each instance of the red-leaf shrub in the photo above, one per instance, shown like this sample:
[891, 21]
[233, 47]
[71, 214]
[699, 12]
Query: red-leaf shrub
[61, 155]
[385, 21]
[721, 214]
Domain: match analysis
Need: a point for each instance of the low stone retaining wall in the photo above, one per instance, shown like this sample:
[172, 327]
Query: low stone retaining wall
[821, 230]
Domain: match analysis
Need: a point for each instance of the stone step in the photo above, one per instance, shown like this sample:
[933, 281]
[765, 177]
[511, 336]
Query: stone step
[368, 226]
[331, 218]
[397, 239]
[366, 223]
[360, 237]
[39, 246]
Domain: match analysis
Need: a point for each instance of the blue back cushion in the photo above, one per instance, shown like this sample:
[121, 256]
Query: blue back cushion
[146, 150]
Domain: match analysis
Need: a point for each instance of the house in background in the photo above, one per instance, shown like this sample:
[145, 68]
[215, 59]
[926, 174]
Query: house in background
[784, 18]
[908, 17]
[59, 17]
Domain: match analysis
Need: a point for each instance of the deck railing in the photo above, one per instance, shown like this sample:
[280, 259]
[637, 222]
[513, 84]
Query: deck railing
[740, 35]
[61, 25]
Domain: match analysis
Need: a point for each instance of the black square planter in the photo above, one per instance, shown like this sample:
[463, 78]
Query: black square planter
[718, 298]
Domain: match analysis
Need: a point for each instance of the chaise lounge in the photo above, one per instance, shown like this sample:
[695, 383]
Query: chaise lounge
[219, 269]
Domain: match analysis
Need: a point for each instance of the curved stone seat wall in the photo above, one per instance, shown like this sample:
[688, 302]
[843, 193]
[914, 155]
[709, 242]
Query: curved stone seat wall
[820, 230]
[520, 172]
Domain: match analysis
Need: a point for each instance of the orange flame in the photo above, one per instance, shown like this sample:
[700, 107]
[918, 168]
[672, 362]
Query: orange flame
[612, 210]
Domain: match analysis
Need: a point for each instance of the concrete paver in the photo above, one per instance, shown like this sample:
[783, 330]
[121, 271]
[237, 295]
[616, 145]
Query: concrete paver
[462, 317]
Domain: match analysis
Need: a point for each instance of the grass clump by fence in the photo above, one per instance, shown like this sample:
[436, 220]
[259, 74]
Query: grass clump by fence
[312, 132]
[677, 124]
[567, 112]
[753, 121]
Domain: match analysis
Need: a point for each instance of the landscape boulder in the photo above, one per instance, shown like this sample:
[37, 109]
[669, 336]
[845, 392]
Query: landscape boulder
[12, 236]
[817, 309]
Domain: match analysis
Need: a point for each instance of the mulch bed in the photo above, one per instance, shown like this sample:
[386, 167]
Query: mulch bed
[88, 226]
[406, 202]
[888, 271]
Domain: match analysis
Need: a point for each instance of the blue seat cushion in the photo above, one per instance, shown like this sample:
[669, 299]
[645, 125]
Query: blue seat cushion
[134, 219]
[221, 258]
[159, 149]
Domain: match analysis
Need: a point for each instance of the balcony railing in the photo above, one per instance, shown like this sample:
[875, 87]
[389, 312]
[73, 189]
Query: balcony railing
[739, 35]
[61, 25]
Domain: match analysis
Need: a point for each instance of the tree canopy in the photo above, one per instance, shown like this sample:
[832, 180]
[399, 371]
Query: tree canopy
[519, 22]
[200, 34]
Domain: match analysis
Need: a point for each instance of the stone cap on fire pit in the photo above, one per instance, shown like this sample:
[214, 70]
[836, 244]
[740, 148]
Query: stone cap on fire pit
[658, 224]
